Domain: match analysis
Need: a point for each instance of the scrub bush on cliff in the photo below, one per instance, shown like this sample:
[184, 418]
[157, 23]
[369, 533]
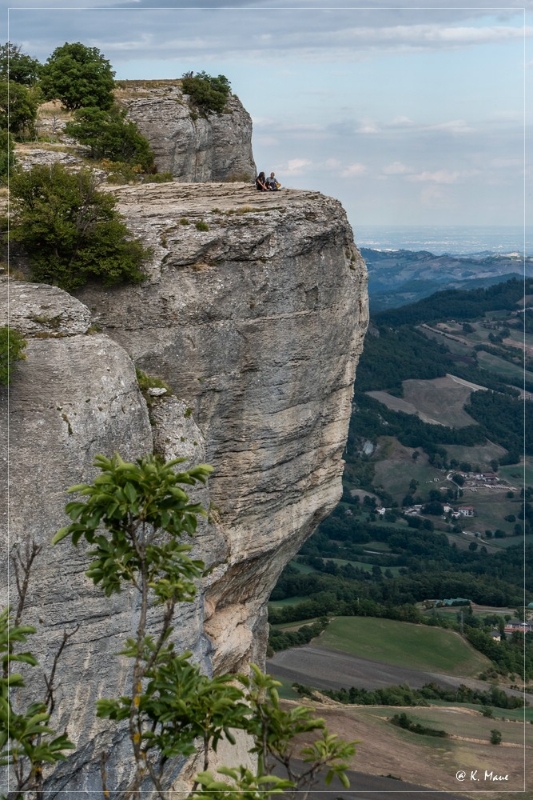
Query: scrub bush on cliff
[206, 91]
[7, 156]
[11, 346]
[70, 231]
[110, 135]
[78, 76]
[135, 517]
[18, 110]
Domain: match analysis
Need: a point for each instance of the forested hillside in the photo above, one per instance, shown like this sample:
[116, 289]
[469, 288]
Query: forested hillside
[398, 538]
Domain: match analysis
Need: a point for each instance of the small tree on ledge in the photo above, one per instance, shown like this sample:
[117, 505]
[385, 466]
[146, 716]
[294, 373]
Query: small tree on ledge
[135, 516]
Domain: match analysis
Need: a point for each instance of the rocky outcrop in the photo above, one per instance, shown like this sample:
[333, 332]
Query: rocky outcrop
[254, 312]
[194, 146]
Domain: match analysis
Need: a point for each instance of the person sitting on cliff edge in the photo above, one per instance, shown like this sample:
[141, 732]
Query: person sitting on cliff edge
[261, 184]
[272, 183]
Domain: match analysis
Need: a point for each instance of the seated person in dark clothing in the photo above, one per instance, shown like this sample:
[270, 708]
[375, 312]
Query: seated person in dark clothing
[260, 183]
[272, 183]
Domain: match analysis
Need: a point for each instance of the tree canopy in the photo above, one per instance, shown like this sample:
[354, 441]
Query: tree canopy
[18, 110]
[78, 76]
[16, 66]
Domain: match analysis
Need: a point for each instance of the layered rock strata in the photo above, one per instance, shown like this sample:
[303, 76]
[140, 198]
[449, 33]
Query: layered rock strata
[254, 312]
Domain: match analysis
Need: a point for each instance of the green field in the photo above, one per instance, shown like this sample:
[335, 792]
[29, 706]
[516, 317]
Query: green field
[491, 508]
[395, 468]
[519, 474]
[520, 336]
[381, 547]
[508, 371]
[293, 626]
[455, 723]
[513, 541]
[451, 344]
[478, 455]
[305, 569]
[288, 601]
[404, 643]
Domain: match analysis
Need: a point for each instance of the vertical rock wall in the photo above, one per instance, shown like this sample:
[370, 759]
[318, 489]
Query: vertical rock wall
[254, 312]
[193, 145]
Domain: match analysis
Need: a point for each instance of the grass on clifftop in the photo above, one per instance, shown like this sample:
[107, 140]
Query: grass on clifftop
[404, 644]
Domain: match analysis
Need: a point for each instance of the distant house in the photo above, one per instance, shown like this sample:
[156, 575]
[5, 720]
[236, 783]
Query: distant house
[496, 635]
[523, 627]
[381, 511]
[466, 511]
[447, 509]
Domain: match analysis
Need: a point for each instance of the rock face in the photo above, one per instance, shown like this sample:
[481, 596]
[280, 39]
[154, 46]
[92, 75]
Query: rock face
[254, 313]
[192, 146]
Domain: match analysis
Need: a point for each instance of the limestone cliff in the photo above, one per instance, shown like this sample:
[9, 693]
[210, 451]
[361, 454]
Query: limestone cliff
[192, 145]
[254, 312]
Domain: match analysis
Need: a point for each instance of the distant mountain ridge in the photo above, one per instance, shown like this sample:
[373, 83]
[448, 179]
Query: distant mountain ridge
[399, 277]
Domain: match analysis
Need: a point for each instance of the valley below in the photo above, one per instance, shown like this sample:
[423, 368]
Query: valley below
[432, 537]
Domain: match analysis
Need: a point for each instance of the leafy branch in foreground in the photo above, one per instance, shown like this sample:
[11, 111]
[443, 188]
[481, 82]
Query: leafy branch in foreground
[135, 517]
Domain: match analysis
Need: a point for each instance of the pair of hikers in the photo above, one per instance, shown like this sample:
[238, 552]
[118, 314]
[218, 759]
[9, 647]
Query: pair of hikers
[263, 184]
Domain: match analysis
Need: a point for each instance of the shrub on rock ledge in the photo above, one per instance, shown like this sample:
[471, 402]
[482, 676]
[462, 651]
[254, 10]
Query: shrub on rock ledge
[11, 346]
[110, 135]
[207, 92]
[71, 232]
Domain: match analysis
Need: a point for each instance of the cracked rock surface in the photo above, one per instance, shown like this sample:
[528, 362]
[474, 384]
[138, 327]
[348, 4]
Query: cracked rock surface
[192, 145]
[254, 313]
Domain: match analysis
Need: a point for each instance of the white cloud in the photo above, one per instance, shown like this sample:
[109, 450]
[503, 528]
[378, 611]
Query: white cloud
[295, 166]
[443, 176]
[368, 126]
[332, 163]
[266, 141]
[401, 121]
[396, 168]
[431, 35]
[354, 170]
[506, 163]
[453, 126]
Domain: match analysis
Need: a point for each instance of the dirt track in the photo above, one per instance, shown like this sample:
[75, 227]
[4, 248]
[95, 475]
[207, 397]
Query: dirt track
[331, 669]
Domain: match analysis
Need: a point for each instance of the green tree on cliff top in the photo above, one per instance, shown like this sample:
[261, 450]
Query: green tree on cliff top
[78, 76]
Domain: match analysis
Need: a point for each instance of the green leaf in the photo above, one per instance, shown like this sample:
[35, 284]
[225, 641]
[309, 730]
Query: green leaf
[61, 534]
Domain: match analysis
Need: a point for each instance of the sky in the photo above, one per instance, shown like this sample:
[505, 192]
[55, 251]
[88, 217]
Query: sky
[410, 116]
